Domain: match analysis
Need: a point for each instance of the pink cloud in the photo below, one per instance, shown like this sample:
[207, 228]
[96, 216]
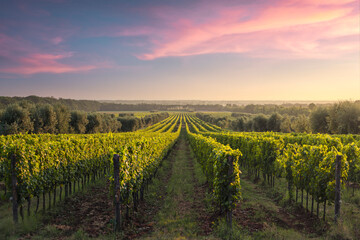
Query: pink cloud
[23, 58]
[325, 2]
[45, 63]
[296, 29]
[10, 46]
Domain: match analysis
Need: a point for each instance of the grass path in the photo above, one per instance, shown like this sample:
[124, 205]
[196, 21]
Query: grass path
[178, 218]
[183, 213]
[261, 217]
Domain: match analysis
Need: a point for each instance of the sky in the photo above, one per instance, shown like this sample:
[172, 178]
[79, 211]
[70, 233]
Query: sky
[181, 50]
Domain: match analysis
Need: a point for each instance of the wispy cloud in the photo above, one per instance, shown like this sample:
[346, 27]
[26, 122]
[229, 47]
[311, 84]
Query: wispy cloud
[21, 57]
[45, 63]
[291, 29]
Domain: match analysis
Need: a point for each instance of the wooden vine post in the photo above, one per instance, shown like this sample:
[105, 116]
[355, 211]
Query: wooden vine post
[14, 190]
[229, 208]
[337, 186]
[116, 192]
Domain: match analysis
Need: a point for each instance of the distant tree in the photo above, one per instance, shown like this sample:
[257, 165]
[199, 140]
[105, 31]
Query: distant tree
[302, 124]
[274, 122]
[110, 123]
[44, 118]
[251, 108]
[319, 120]
[148, 120]
[78, 121]
[239, 124]
[94, 123]
[312, 106]
[260, 123]
[129, 124]
[16, 119]
[248, 125]
[222, 123]
[285, 125]
[6, 129]
[27, 105]
[63, 118]
[345, 118]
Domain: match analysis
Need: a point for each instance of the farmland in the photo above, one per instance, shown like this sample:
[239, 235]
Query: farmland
[179, 119]
[180, 177]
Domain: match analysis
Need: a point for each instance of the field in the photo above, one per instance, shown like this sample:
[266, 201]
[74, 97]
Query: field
[179, 119]
[181, 178]
[138, 114]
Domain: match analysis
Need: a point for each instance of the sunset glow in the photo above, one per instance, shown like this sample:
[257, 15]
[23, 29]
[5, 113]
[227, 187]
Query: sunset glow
[215, 50]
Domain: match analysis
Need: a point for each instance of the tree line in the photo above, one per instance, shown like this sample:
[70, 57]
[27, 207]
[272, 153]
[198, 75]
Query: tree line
[72, 104]
[50, 115]
[339, 118]
[26, 117]
[291, 109]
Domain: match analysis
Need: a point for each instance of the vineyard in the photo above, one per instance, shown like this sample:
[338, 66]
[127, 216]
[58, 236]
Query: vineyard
[310, 169]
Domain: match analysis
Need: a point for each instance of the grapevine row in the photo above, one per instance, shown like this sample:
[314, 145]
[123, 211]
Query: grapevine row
[44, 162]
[220, 166]
[307, 161]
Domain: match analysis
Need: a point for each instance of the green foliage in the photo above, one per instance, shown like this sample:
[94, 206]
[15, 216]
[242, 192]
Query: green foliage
[110, 124]
[26, 117]
[274, 122]
[129, 124]
[45, 119]
[239, 124]
[133, 123]
[16, 119]
[78, 121]
[285, 125]
[83, 105]
[259, 152]
[352, 152]
[260, 123]
[141, 156]
[63, 118]
[219, 164]
[306, 160]
[94, 123]
[345, 118]
[46, 161]
[313, 169]
[319, 120]
[338, 118]
[301, 124]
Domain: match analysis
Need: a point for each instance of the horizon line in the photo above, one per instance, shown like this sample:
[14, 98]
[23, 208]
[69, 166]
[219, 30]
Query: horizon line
[203, 100]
